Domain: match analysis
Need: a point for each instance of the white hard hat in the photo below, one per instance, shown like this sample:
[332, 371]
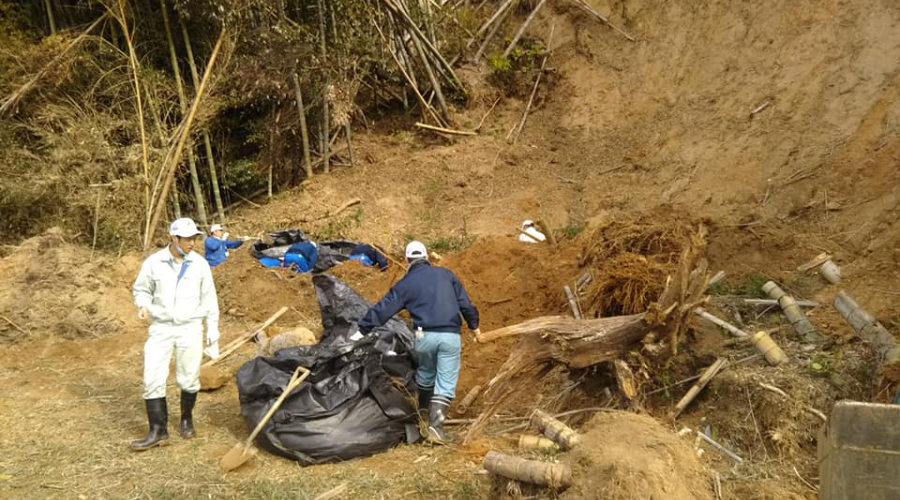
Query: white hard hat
[527, 223]
[416, 250]
[216, 227]
[184, 228]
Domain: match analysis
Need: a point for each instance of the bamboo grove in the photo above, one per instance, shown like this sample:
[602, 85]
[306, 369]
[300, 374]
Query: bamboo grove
[201, 104]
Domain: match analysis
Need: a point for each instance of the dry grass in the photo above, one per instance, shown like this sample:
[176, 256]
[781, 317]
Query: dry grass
[626, 284]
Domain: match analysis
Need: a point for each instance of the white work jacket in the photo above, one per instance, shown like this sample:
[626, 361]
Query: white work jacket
[534, 233]
[175, 293]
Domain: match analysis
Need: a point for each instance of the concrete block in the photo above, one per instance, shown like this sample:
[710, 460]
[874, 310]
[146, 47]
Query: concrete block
[859, 453]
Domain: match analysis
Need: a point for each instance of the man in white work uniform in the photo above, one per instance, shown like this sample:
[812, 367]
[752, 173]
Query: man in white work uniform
[175, 291]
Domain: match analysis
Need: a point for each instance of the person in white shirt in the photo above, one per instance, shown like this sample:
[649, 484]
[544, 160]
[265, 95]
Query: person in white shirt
[175, 291]
[531, 234]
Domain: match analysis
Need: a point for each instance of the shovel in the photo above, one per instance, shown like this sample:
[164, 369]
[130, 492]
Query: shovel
[242, 452]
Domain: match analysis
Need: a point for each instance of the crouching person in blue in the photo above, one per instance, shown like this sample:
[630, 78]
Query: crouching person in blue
[216, 245]
[434, 298]
[369, 256]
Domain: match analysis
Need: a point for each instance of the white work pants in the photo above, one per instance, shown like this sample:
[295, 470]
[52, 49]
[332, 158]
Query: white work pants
[187, 342]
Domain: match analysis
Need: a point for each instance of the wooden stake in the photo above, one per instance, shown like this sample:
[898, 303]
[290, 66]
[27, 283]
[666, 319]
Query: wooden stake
[528, 471]
[545, 228]
[697, 387]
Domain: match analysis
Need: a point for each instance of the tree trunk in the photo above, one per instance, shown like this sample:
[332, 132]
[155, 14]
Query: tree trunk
[304, 132]
[213, 176]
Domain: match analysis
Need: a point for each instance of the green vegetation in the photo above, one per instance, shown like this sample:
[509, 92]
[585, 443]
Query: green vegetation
[445, 244]
[339, 228]
[572, 230]
[749, 286]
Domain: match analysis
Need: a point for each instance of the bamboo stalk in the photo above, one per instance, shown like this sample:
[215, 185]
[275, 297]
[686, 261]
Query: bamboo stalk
[515, 40]
[416, 34]
[132, 58]
[183, 105]
[493, 33]
[304, 132]
[213, 176]
[14, 98]
[50, 17]
[534, 89]
[324, 51]
[559, 432]
[185, 132]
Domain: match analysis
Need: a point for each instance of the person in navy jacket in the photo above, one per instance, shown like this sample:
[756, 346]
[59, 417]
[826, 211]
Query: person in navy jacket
[435, 299]
[217, 245]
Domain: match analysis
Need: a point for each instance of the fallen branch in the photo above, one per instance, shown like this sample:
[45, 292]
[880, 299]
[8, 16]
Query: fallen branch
[732, 455]
[17, 327]
[737, 332]
[695, 377]
[772, 302]
[481, 123]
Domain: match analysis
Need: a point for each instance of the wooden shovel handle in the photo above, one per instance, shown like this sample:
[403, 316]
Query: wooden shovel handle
[294, 382]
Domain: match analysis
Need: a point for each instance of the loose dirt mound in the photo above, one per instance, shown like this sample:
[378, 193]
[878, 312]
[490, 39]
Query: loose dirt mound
[50, 287]
[627, 456]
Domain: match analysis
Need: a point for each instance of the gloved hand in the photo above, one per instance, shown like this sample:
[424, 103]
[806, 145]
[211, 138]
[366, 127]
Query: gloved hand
[225, 236]
[143, 314]
[212, 350]
[477, 333]
[356, 336]
[246, 238]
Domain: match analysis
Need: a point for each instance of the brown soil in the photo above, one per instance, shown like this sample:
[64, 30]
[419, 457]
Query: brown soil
[656, 132]
[625, 455]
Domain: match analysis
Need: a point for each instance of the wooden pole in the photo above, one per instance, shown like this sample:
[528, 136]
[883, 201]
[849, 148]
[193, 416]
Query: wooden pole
[243, 339]
[185, 132]
[573, 304]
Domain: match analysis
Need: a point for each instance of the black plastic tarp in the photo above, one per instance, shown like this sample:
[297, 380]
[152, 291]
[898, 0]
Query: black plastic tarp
[355, 403]
[331, 252]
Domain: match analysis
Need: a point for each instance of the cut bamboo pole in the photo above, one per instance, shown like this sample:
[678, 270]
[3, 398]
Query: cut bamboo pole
[536, 443]
[304, 132]
[772, 302]
[243, 339]
[185, 127]
[545, 228]
[559, 432]
[444, 130]
[737, 332]
[515, 40]
[213, 175]
[528, 471]
[708, 375]
[463, 406]
[416, 34]
[573, 304]
[796, 317]
[490, 36]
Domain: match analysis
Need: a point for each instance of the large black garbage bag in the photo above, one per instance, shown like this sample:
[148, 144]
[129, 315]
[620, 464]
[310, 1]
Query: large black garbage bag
[357, 400]
[331, 252]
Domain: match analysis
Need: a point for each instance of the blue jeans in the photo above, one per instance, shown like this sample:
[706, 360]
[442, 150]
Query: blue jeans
[438, 363]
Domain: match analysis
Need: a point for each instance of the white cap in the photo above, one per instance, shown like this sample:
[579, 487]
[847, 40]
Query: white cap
[183, 228]
[216, 227]
[416, 250]
[527, 223]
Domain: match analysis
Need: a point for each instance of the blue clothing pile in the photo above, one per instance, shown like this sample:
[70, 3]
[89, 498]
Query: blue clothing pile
[300, 257]
[369, 256]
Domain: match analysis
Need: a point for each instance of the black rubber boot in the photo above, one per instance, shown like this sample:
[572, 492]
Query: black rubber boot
[425, 394]
[437, 413]
[187, 418]
[158, 416]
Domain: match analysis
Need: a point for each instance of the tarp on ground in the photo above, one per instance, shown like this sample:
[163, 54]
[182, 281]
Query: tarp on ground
[331, 252]
[357, 400]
